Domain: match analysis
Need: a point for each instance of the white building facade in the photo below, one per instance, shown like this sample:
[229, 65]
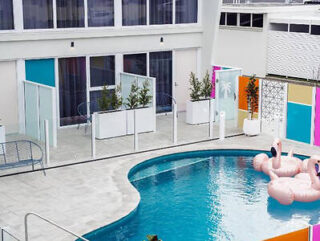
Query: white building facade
[75, 47]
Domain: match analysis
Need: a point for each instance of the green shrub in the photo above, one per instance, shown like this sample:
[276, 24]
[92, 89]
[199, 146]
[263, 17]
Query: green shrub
[104, 100]
[195, 87]
[252, 96]
[144, 96]
[206, 86]
[133, 98]
[116, 99]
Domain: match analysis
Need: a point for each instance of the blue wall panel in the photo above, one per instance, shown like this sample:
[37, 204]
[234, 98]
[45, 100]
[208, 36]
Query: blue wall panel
[40, 71]
[299, 122]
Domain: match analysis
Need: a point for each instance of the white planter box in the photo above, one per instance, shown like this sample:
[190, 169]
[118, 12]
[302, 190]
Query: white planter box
[146, 120]
[251, 127]
[111, 124]
[198, 112]
[2, 138]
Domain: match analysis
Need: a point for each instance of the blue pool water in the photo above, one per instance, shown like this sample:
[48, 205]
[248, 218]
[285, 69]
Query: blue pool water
[207, 195]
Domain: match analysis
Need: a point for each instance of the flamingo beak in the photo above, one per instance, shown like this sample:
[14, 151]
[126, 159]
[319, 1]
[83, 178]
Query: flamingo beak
[273, 152]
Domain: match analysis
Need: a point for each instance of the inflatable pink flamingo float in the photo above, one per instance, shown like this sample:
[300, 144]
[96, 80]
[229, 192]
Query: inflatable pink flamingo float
[289, 189]
[282, 166]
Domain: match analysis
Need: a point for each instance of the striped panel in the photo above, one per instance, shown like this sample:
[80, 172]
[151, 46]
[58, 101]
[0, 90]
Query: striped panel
[300, 235]
[293, 54]
[300, 94]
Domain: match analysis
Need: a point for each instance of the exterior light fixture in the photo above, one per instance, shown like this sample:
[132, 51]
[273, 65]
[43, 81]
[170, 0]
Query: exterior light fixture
[161, 41]
[72, 45]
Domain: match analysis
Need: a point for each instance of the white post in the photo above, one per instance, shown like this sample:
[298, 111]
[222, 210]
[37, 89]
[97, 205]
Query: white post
[47, 141]
[211, 113]
[136, 146]
[175, 124]
[277, 126]
[222, 125]
[93, 136]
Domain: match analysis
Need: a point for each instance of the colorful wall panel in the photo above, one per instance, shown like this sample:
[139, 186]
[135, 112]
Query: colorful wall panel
[300, 235]
[243, 106]
[299, 113]
[317, 119]
[40, 71]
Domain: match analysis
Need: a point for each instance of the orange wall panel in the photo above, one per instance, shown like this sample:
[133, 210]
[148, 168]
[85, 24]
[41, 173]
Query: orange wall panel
[243, 82]
[300, 235]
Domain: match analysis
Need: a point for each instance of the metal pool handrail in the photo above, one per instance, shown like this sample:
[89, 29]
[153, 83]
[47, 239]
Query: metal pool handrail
[4, 231]
[50, 222]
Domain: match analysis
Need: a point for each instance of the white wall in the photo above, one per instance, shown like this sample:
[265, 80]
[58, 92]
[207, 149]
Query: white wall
[242, 48]
[182, 75]
[210, 22]
[57, 44]
[9, 97]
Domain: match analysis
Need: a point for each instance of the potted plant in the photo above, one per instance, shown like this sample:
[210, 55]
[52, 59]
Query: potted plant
[139, 100]
[198, 106]
[111, 120]
[251, 126]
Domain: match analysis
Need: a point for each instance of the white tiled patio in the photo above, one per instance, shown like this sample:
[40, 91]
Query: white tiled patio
[87, 196]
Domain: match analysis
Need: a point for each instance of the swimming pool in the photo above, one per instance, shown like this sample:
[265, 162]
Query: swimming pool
[205, 195]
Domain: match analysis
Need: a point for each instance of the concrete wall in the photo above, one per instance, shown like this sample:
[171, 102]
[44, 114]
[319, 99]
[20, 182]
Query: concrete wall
[242, 48]
[9, 97]
[182, 75]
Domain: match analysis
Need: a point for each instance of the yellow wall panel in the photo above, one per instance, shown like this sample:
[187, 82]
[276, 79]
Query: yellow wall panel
[242, 114]
[300, 94]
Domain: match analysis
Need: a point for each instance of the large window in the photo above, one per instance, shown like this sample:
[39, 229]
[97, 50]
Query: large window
[161, 69]
[6, 15]
[135, 64]
[72, 90]
[315, 29]
[102, 71]
[257, 20]
[232, 19]
[160, 11]
[70, 13]
[134, 12]
[186, 11]
[37, 14]
[245, 19]
[100, 13]
[223, 18]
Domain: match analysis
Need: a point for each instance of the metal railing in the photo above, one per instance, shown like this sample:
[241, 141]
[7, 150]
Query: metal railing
[7, 236]
[50, 222]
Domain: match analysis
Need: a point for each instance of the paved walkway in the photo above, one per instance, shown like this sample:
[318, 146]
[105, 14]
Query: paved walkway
[87, 196]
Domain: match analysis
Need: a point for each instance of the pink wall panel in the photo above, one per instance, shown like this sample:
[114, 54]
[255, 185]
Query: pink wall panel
[317, 119]
[215, 68]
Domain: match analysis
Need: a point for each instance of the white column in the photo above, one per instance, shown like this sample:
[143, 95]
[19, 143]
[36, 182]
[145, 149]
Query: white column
[211, 117]
[175, 123]
[222, 126]
[93, 136]
[18, 14]
[117, 13]
[136, 145]
[47, 142]
[21, 76]
[119, 67]
[85, 13]
[54, 8]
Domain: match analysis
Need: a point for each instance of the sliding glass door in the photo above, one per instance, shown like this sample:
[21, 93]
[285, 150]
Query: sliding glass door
[72, 89]
[161, 69]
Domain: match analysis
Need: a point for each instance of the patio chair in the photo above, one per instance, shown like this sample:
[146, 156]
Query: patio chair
[83, 113]
[20, 153]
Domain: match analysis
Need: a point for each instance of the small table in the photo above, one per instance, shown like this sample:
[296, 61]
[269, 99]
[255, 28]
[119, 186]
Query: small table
[2, 137]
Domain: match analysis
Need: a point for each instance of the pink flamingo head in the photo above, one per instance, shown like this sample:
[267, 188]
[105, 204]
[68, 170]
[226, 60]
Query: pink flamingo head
[276, 151]
[314, 171]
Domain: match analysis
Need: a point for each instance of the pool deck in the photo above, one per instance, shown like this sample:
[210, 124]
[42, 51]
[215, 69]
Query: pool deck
[87, 196]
